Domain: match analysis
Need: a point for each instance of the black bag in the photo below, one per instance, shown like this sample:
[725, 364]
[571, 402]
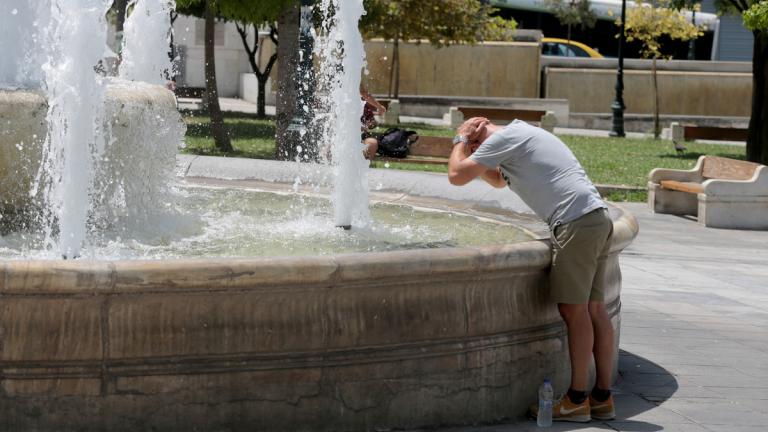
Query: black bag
[395, 142]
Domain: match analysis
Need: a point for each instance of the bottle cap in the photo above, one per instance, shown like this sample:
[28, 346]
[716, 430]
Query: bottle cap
[547, 381]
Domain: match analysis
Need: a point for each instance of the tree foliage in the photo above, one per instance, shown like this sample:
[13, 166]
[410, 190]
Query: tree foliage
[572, 13]
[690, 5]
[246, 11]
[441, 22]
[756, 17]
[647, 24]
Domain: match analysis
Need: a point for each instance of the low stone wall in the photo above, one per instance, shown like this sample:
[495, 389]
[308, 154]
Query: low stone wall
[491, 69]
[686, 93]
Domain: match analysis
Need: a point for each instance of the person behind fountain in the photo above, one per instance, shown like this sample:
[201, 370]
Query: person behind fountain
[547, 176]
[372, 107]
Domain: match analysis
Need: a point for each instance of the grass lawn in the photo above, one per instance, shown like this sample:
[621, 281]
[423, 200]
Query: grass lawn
[251, 137]
[611, 161]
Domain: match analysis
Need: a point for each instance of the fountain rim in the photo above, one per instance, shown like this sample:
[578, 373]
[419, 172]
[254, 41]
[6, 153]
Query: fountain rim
[76, 277]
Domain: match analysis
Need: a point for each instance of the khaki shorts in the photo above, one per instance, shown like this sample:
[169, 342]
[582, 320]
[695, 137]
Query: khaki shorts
[579, 251]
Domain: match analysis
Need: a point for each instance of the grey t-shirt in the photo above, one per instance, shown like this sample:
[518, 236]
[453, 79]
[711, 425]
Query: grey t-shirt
[542, 171]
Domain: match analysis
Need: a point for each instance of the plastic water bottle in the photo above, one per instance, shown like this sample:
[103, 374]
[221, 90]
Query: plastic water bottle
[546, 394]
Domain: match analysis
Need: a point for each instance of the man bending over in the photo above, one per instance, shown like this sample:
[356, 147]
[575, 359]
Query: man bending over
[546, 175]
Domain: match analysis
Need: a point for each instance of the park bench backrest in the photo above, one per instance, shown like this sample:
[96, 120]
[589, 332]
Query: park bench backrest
[727, 169]
[506, 114]
[691, 132]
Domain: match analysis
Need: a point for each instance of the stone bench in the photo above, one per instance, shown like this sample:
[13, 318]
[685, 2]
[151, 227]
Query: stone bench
[392, 115]
[722, 192]
[545, 119]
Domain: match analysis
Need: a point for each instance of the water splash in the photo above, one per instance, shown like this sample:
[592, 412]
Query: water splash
[342, 56]
[236, 222]
[146, 42]
[23, 25]
[76, 93]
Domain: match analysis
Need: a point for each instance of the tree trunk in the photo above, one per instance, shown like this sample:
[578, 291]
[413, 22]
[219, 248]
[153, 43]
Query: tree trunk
[288, 49]
[122, 6]
[218, 130]
[656, 125]
[757, 138]
[261, 101]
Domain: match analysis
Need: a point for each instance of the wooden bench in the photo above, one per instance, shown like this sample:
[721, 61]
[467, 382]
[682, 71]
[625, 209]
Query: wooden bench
[722, 192]
[427, 150]
[545, 119]
[690, 132]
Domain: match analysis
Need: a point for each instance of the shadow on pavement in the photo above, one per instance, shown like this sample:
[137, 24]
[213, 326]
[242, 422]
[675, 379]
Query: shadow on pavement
[641, 387]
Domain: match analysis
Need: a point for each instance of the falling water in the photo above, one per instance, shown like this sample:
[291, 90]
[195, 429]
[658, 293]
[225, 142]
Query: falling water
[76, 93]
[340, 50]
[146, 42]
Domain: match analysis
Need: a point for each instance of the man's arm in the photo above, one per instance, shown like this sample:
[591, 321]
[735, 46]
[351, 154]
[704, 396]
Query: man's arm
[493, 177]
[462, 170]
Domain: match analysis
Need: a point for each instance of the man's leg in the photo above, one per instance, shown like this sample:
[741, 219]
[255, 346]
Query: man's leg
[581, 340]
[601, 401]
[575, 250]
[574, 406]
[603, 331]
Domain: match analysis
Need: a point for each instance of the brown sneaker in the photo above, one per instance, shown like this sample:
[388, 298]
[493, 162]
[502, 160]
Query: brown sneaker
[565, 410]
[602, 410]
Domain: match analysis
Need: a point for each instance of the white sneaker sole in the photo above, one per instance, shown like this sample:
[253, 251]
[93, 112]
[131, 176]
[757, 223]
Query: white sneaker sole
[610, 416]
[575, 419]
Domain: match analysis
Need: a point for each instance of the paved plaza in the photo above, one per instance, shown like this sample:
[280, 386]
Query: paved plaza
[694, 332]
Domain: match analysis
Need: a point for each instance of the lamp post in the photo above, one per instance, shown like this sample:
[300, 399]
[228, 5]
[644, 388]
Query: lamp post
[617, 107]
[692, 42]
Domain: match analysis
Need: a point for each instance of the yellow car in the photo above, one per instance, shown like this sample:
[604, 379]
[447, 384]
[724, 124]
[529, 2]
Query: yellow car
[566, 48]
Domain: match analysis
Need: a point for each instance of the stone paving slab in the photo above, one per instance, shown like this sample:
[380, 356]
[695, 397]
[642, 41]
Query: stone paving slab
[694, 334]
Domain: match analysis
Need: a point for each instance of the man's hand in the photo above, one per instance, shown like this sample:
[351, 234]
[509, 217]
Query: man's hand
[473, 129]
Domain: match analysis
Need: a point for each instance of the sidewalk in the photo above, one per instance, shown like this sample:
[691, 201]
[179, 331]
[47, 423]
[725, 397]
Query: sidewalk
[227, 105]
[694, 332]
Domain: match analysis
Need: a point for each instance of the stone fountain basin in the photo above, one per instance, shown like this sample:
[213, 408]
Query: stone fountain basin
[342, 342]
[133, 113]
